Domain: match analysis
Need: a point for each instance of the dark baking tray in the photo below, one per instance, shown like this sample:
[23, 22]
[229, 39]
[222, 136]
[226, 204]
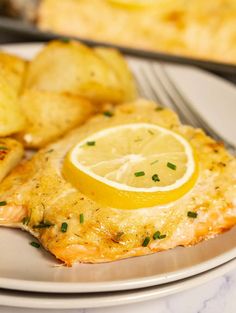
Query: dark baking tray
[30, 32]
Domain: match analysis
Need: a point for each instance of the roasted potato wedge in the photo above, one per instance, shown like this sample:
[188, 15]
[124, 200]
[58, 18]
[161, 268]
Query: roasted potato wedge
[12, 73]
[117, 62]
[12, 69]
[79, 70]
[11, 117]
[11, 152]
[50, 115]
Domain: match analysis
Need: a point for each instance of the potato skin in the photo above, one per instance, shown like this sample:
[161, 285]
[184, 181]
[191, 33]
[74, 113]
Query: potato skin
[11, 152]
[50, 115]
[79, 70]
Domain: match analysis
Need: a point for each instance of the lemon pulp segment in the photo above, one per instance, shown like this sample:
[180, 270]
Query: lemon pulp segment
[132, 166]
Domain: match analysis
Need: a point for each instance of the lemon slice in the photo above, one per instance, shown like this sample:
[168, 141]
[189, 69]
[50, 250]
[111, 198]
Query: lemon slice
[132, 166]
[133, 4]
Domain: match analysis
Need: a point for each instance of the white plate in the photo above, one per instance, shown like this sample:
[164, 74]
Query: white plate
[79, 301]
[24, 268]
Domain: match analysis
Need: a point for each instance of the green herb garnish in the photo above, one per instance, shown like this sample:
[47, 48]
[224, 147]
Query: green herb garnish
[146, 241]
[154, 162]
[118, 236]
[43, 225]
[108, 113]
[35, 244]
[91, 143]
[65, 40]
[192, 214]
[150, 132]
[159, 109]
[50, 151]
[158, 235]
[155, 178]
[81, 218]
[171, 166]
[64, 227]
[138, 174]
[26, 220]
[2, 203]
[3, 148]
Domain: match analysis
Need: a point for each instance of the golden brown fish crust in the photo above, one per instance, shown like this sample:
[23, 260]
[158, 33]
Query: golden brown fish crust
[107, 234]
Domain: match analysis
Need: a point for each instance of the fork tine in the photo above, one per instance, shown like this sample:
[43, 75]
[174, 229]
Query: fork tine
[159, 89]
[154, 83]
[186, 116]
[143, 84]
[179, 99]
[183, 103]
[182, 114]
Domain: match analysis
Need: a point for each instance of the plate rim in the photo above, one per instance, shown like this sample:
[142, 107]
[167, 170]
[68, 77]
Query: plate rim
[116, 298]
[118, 285]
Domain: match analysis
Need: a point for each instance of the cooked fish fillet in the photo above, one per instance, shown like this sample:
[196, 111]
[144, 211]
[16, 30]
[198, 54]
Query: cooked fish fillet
[38, 192]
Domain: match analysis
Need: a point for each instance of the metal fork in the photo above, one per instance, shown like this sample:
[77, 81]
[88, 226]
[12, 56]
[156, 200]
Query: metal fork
[155, 83]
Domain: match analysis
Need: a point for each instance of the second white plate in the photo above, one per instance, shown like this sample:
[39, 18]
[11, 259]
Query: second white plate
[81, 301]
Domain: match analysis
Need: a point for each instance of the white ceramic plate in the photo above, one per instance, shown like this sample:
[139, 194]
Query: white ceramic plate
[79, 301]
[24, 268]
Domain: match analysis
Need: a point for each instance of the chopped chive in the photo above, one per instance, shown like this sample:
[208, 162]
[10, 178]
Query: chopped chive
[159, 109]
[2, 203]
[50, 151]
[90, 143]
[26, 220]
[157, 235]
[155, 178]
[35, 244]
[3, 148]
[192, 214]
[108, 113]
[146, 241]
[150, 132]
[171, 166]
[65, 40]
[81, 218]
[154, 162]
[118, 236]
[138, 174]
[64, 227]
[43, 225]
